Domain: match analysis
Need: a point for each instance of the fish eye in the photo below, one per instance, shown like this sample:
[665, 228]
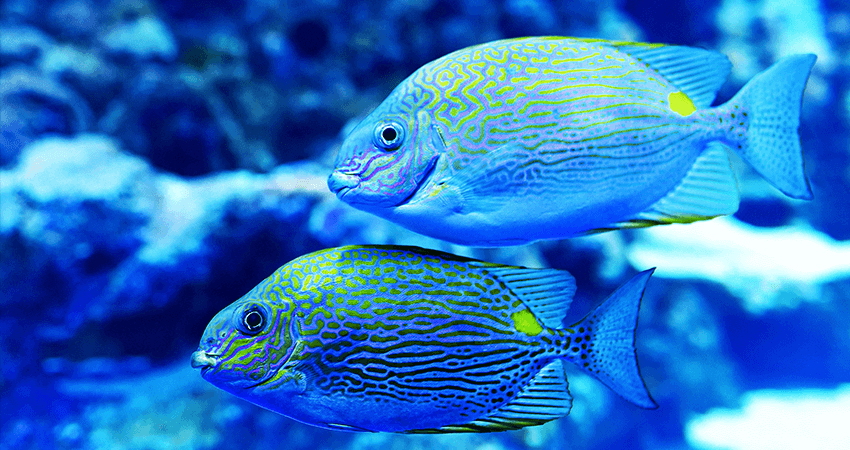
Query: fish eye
[389, 135]
[253, 320]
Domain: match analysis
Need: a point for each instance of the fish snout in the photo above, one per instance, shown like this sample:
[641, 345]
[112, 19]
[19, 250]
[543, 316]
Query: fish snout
[340, 182]
[203, 360]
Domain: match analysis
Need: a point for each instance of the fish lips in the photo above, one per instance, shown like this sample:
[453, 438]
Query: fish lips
[341, 183]
[204, 361]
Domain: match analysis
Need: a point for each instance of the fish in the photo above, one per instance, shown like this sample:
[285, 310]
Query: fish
[536, 138]
[409, 340]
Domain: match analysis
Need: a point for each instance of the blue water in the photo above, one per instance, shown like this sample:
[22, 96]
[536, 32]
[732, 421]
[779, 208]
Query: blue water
[158, 159]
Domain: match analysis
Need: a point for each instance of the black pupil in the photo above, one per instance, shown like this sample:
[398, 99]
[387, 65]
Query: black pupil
[389, 134]
[253, 320]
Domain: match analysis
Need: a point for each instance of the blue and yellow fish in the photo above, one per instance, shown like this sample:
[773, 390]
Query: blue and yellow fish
[536, 138]
[403, 339]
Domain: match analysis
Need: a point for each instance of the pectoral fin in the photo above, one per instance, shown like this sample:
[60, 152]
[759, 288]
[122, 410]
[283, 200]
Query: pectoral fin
[294, 372]
[485, 182]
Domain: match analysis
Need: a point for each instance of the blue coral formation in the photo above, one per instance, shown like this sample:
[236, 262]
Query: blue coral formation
[160, 158]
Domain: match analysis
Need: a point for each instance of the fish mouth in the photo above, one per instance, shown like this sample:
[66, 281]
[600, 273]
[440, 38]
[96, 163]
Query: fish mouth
[422, 181]
[341, 183]
[204, 361]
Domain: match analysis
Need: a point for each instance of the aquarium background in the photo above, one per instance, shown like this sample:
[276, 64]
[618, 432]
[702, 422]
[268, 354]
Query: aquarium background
[160, 158]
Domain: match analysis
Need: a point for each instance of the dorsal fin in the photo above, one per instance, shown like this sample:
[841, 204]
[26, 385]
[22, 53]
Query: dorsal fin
[697, 72]
[546, 292]
[546, 397]
[708, 190]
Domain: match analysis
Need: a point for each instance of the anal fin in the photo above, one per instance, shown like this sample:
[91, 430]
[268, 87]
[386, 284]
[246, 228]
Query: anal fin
[546, 397]
[708, 190]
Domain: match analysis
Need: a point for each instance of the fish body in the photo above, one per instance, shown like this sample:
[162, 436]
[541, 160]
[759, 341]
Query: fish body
[402, 339]
[536, 138]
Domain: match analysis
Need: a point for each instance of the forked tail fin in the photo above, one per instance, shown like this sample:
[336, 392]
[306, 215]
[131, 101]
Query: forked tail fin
[772, 100]
[605, 346]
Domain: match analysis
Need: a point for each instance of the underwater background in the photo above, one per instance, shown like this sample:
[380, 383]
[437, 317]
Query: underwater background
[160, 158]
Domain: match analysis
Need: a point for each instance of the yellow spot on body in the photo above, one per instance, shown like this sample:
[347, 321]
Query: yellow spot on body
[524, 322]
[680, 103]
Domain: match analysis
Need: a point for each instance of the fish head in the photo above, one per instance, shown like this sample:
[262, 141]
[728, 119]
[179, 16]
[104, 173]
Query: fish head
[246, 346]
[386, 159]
